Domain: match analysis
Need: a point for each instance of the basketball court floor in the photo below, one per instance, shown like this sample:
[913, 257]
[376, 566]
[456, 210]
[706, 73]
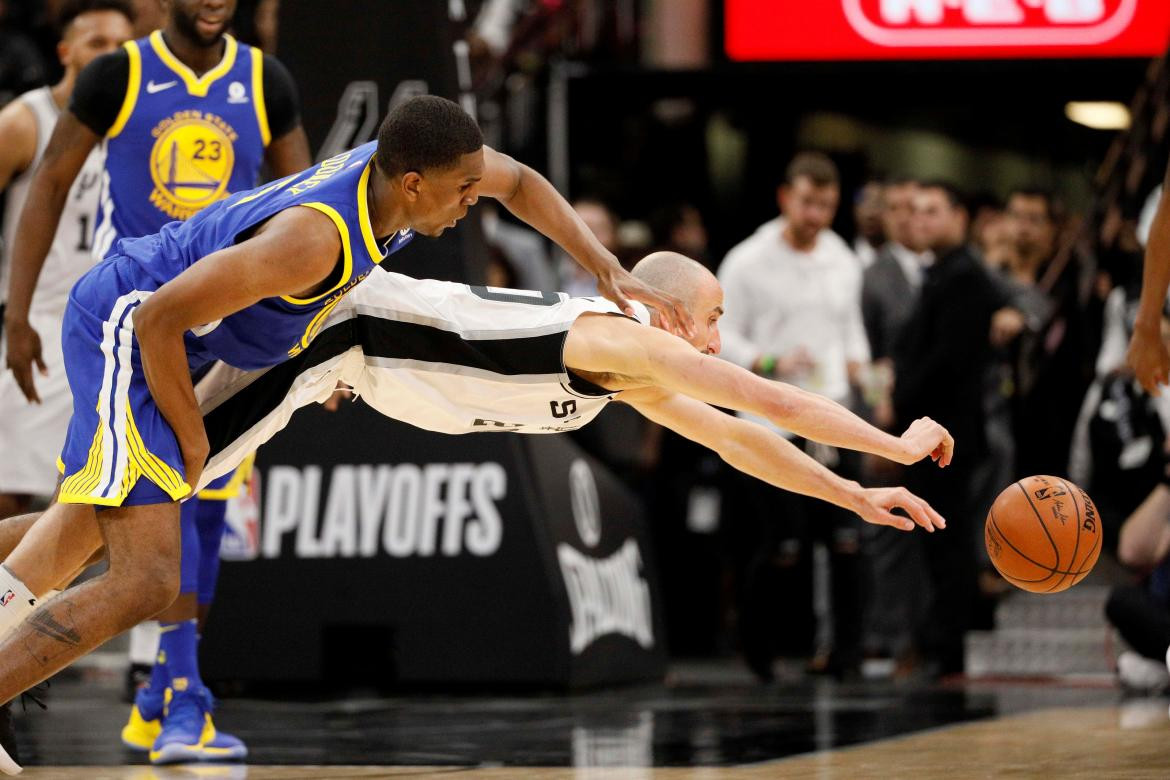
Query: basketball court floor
[708, 722]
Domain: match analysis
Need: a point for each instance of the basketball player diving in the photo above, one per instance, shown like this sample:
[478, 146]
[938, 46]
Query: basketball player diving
[455, 358]
[458, 359]
[222, 286]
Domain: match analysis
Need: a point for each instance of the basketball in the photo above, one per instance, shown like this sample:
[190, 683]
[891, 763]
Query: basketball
[1043, 534]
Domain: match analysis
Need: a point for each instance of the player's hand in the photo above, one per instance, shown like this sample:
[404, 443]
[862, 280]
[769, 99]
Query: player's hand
[926, 437]
[194, 459]
[876, 504]
[24, 351]
[620, 286]
[1148, 358]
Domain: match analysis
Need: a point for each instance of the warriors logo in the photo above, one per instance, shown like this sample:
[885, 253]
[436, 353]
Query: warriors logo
[191, 162]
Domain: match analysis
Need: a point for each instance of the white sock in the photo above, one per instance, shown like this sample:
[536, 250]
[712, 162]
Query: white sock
[144, 643]
[16, 601]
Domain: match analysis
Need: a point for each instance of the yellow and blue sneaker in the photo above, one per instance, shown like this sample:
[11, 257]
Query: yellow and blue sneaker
[145, 722]
[219, 745]
[188, 733]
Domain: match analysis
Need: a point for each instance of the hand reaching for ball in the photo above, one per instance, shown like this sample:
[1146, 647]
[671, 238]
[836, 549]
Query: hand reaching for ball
[926, 437]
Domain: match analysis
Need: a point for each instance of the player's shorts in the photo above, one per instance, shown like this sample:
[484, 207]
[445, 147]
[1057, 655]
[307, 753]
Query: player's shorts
[35, 431]
[230, 484]
[119, 450]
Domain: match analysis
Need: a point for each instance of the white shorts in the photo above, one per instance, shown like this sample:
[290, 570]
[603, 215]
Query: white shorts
[31, 435]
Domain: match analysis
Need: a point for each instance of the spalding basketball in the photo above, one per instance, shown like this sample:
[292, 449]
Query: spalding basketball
[1043, 534]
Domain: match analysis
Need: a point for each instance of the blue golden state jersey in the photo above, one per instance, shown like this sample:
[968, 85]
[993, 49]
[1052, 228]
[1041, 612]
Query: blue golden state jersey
[180, 142]
[274, 329]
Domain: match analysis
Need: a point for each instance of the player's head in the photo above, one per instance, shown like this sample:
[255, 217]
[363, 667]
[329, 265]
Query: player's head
[695, 286]
[809, 196]
[939, 216]
[431, 151]
[91, 28]
[201, 22]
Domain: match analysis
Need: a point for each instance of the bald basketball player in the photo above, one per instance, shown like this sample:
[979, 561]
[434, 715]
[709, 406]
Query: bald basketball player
[455, 358]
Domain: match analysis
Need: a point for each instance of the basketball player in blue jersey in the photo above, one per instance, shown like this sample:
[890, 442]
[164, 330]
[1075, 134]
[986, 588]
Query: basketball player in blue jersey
[187, 116]
[248, 281]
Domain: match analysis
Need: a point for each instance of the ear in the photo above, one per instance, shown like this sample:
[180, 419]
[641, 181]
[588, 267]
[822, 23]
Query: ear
[781, 196]
[411, 184]
[63, 52]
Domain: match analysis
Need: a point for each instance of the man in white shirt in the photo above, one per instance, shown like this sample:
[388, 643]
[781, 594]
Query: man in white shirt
[793, 313]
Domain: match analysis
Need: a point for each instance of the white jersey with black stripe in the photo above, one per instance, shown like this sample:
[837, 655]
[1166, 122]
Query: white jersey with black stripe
[445, 357]
[70, 254]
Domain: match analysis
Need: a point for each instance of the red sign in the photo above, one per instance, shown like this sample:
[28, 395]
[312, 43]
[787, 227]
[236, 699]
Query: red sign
[944, 29]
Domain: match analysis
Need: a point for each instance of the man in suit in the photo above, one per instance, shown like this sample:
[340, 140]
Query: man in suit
[889, 288]
[940, 360]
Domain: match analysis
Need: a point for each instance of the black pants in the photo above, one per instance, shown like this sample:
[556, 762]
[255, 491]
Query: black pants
[950, 560]
[778, 531]
[1142, 620]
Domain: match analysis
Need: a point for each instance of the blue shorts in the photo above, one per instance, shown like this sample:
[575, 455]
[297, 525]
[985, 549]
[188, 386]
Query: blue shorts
[119, 451]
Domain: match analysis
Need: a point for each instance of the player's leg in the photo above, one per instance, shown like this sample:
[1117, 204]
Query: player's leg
[172, 714]
[145, 724]
[52, 547]
[14, 504]
[142, 543]
[211, 521]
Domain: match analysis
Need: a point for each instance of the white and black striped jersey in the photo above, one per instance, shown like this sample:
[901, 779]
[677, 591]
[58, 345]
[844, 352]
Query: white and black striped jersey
[446, 357]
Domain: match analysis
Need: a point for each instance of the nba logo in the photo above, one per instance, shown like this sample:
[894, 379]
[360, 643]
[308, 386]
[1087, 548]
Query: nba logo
[241, 538]
[7, 597]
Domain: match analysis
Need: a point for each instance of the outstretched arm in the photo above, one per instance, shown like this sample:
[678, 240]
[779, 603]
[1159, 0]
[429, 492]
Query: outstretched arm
[755, 450]
[531, 197]
[647, 357]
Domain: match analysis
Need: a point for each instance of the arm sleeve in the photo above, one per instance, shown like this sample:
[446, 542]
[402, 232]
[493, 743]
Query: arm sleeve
[280, 97]
[100, 90]
[733, 326]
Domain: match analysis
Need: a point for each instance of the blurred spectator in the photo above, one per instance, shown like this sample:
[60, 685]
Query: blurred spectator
[985, 210]
[1052, 369]
[940, 363]
[21, 64]
[890, 285]
[889, 289]
[792, 293]
[600, 219]
[868, 222]
[1141, 612]
[997, 242]
[524, 249]
[679, 227]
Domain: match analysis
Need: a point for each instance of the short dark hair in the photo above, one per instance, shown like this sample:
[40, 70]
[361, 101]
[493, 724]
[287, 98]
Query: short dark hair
[1051, 204]
[423, 133]
[71, 9]
[954, 196]
[817, 167]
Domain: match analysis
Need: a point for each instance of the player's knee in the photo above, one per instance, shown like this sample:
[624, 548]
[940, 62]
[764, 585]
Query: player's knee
[154, 587]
